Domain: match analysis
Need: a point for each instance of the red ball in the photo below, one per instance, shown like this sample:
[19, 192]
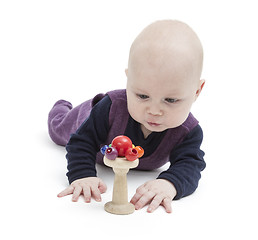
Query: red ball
[131, 154]
[121, 143]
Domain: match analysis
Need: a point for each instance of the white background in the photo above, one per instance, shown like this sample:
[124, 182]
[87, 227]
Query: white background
[75, 49]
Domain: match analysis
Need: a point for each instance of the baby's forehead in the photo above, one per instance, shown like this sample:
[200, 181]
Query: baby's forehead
[158, 63]
[160, 55]
[162, 83]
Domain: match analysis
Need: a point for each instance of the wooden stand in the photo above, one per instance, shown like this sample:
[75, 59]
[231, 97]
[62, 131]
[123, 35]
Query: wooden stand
[119, 203]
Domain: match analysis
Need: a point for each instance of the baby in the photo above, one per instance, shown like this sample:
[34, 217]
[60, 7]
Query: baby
[163, 81]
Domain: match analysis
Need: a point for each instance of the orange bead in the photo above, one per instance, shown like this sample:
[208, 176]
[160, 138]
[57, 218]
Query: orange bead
[140, 151]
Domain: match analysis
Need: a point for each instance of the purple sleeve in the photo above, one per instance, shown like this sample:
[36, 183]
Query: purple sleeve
[186, 164]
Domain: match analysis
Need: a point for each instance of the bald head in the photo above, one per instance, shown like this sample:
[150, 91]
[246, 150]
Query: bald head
[168, 44]
[163, 75]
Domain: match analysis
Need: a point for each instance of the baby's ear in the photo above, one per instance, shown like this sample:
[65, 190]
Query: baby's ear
[201, 84]
[126, 72]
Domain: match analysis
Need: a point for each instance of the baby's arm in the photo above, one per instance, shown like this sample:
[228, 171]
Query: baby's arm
[186, 164]
[81, 154]
[156, 192]
[90, 187]
[180, 180]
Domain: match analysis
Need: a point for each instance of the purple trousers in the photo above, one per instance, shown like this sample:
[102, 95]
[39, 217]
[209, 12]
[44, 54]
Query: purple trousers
[63, 120]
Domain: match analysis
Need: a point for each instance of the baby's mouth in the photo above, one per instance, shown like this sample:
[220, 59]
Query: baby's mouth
[153, 124]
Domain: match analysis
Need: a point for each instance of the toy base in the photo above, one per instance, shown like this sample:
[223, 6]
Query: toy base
[120, 209]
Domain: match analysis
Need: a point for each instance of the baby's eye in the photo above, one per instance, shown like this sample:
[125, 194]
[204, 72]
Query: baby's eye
[142, 96]
[171, 100]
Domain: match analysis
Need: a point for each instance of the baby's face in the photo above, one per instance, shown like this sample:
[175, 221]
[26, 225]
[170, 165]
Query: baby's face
[164, 68]
[159, 96]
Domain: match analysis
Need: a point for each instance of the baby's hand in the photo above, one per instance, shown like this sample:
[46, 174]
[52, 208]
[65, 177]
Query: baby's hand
[156, 192]
[89, 187]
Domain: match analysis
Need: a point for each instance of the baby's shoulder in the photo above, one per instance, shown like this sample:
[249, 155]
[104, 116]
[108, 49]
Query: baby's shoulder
[119, 94]
[190, 123]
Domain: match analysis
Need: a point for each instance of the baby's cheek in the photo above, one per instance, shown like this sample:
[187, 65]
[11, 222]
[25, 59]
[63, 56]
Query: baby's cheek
[134, 112]
[177, 119]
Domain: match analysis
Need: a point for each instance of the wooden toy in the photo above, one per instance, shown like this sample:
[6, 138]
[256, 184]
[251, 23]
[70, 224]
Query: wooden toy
[119, 203]
[121, 156]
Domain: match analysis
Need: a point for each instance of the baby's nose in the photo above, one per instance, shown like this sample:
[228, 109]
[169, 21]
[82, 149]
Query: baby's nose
[154, 110]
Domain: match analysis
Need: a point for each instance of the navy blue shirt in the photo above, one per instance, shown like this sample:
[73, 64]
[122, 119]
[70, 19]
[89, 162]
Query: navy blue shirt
[186, 158]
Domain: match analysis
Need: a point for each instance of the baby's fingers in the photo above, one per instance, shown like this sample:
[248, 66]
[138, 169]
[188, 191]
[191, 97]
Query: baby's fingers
[139, 193]
[66, 192]
[167, 205]
[96, 194]
[135, 198]
[159, 200]
[102, 186]
[144, 200]
[87, 194]
[76, 193]
[156, 201]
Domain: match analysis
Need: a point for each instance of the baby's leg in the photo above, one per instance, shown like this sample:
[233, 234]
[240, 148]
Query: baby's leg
[63, 120]
[60, 123]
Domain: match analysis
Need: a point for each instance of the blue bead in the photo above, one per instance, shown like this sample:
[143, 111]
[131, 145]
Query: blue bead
[103, 149]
